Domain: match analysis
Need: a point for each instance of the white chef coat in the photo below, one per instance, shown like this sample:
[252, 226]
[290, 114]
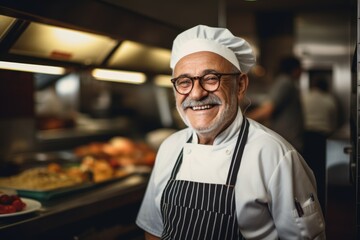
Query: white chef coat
[271, 175]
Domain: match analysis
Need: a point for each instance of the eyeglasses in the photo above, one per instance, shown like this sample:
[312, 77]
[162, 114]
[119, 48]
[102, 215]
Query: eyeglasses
[209, 82]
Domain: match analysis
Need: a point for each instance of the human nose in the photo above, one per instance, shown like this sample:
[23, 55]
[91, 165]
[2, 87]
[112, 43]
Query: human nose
[198, 91]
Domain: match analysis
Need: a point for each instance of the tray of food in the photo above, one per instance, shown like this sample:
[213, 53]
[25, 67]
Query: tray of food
[92, 165]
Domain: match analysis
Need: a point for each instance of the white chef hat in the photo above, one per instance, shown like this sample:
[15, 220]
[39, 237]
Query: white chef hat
[213, 39]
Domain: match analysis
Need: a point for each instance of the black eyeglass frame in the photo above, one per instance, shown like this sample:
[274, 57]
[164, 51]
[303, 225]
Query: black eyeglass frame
[201, 78]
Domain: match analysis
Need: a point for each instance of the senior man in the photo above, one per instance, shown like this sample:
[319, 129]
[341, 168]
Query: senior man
[225, 176]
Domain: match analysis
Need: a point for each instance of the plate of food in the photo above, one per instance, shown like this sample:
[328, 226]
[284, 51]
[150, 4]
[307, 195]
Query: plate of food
[13, 205]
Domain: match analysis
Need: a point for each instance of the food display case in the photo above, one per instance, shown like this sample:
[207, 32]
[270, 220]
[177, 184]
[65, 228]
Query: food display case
[55, 121]
[108, 155]
[94, 190]
[108, 152]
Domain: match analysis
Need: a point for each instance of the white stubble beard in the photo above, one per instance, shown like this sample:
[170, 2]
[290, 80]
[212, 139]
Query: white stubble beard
[216, 123]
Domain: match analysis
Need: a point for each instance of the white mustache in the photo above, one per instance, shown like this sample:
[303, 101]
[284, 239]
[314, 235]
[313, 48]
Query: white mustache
[209, 100]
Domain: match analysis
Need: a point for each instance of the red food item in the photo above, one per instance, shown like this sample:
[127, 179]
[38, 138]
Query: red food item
[2, 209]
[18, 204]
[5, 199]
[9, 209]
[14, 197]
[11, 204]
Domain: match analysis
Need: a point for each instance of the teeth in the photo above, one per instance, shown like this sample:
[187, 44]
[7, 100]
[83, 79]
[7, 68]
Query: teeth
[201, 107]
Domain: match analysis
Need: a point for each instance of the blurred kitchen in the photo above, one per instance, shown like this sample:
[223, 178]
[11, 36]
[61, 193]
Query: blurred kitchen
[89, 79]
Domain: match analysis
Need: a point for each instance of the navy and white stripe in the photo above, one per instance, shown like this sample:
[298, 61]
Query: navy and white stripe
[195, 210]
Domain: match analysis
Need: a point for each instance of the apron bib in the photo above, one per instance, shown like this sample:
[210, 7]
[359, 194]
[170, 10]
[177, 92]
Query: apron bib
[195, 210]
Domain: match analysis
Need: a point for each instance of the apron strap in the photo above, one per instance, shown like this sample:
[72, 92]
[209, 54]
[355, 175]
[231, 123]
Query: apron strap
[238, 152]
[236, 158]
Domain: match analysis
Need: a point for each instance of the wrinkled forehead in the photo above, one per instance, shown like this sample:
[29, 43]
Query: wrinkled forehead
[203, 62]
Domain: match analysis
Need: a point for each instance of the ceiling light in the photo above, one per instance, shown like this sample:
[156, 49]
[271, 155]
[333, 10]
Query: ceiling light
[119, 76]
[50, 42]
[163, 80]
[130, 54]
[5, 24]
[32, 68]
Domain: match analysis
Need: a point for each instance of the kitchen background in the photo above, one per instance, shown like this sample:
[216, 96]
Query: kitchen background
[51, 112]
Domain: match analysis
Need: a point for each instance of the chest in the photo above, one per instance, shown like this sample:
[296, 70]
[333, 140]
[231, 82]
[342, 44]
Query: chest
[203, 163]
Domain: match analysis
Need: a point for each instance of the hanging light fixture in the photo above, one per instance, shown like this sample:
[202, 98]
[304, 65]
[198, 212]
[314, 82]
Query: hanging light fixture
[119, 76]
[25, 67]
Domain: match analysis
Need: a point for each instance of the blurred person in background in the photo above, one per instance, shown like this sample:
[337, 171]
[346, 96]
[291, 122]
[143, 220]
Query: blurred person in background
[321, 120]
[282, 108]
[225, 176]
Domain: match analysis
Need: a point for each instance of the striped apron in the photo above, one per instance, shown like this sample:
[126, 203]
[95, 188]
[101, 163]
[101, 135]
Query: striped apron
[195, 210]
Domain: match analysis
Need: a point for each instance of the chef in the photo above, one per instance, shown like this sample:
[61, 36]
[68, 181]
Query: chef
[225, 176]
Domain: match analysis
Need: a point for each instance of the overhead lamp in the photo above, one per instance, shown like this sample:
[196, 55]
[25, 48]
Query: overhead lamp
[25, 67]
[50, 42]
[119, 76]
[163, 80]
[6, 24]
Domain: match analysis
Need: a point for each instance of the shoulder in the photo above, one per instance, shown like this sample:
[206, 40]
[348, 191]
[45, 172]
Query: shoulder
[267, 154]
[266, 145]
[262, 135]
[283, 86]
[283, 81]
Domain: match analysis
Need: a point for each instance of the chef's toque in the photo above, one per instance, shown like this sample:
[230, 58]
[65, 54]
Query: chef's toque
[213, 39]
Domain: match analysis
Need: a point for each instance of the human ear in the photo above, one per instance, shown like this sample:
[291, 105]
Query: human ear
[243, 82]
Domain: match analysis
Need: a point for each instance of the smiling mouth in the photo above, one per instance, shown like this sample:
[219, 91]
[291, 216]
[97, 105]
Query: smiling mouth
[202, 107]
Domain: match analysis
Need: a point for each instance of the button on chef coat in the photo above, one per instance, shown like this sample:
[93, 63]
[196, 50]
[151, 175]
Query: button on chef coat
[271, 175]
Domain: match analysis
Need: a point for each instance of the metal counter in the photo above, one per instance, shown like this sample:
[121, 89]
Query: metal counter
[106, 212]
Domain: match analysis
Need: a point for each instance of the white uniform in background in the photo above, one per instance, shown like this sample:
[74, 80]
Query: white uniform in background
[271, 176]
[320, 111]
